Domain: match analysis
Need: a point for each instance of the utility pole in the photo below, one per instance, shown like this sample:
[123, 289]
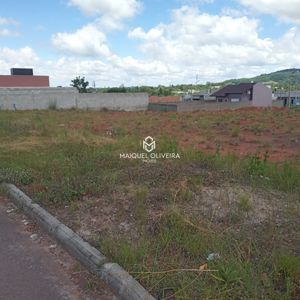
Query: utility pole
[289, 98]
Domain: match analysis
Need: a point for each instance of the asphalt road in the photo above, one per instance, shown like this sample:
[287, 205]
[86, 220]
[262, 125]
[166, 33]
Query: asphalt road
[27, 271]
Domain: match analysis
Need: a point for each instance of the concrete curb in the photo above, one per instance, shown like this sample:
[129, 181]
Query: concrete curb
[121, 283]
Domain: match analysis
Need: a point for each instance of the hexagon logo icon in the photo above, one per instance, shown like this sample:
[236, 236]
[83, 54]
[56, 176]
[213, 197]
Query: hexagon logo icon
[148, 144]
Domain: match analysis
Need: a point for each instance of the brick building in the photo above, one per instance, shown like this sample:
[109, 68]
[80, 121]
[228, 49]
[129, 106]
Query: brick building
[23, 78]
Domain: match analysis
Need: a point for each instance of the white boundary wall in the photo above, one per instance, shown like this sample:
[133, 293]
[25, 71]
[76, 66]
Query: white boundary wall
[68, 98]
[262, 95]
[114, 101]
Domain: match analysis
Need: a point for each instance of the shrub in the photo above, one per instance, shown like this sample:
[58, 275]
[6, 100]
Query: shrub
[52, 106]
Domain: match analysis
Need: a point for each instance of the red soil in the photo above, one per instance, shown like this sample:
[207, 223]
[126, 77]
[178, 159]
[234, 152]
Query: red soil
[241, 132]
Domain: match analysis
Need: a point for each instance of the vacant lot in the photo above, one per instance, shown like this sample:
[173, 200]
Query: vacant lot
[234, 193]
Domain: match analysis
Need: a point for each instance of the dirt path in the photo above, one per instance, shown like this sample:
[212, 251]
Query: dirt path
[28, 269]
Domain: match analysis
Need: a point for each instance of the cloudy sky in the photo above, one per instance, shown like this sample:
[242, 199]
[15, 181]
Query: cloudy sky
[135, 42]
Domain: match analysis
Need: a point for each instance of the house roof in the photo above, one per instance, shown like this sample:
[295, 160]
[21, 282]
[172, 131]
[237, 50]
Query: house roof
[234, 89]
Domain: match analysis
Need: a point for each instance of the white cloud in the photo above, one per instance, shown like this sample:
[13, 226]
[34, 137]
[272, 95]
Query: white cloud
[287, 48]
[110, 13]
[195, 2]
[229, 11]
[216, 47]
[40, 28]
[287, 10]
[7, 32]
[23, 57]
[7, 21]
[119, 8]
[86, 41]
[90, 40]
[201, 41]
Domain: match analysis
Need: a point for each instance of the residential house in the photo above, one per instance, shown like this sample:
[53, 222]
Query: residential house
[256, 94]
[200, 96]
[291, 98]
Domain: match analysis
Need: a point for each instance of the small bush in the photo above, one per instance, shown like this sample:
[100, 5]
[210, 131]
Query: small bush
[195, 181]
[287, 274]
[245, 203]
[255, 165]
[140, 210]
[235, 132]
[185, 194]
[126, 254]
[167, 144]
[228, 275]
[289, 266]
[257, 129]
[52, 106]
[18, 177]
[67, 190]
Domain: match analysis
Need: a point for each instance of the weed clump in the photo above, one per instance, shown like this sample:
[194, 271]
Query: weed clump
[245, 204]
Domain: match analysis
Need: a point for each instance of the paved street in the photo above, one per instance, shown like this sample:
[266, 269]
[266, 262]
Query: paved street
[27, 271]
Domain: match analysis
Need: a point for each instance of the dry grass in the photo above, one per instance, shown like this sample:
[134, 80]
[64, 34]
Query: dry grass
[153, 218]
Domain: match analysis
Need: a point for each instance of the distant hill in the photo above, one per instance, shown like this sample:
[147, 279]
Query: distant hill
[278, 79]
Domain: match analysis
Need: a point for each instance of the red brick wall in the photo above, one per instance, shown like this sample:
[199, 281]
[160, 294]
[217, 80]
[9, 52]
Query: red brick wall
[24, 81]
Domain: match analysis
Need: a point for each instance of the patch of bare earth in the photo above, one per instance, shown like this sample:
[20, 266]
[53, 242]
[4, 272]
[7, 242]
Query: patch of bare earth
[229, 207]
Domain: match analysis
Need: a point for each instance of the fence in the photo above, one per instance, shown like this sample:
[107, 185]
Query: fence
[195, 105]
[68, 98]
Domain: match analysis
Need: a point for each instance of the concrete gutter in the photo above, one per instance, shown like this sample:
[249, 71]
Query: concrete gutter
[121, 283]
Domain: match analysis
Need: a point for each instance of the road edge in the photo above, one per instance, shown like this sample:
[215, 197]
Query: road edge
[120, 281]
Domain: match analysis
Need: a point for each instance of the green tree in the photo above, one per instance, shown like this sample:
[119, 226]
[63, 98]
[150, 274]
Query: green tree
[80, 83]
